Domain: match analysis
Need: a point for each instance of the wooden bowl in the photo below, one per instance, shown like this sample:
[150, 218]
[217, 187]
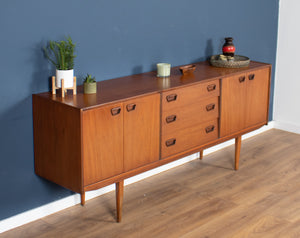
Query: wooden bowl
[187, 68]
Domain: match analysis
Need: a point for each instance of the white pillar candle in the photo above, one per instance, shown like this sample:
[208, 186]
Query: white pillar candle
[163, 69]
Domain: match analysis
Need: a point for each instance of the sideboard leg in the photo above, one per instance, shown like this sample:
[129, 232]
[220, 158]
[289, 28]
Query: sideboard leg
[119, 199]
[201, 155]
[238, 142]
[82, 198]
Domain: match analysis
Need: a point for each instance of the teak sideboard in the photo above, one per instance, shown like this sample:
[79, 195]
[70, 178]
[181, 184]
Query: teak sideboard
[135, 123]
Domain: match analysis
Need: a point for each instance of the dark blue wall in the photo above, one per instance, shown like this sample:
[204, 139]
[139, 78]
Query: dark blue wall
[114, 38]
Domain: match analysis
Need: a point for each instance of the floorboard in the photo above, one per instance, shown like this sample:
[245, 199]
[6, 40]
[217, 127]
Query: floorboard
[203, 198]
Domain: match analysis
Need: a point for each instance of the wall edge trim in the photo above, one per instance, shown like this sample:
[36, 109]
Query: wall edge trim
[286, 126]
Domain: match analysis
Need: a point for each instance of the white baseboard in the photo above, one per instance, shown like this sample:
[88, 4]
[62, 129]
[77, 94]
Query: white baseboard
[53, 207]
[287, 127]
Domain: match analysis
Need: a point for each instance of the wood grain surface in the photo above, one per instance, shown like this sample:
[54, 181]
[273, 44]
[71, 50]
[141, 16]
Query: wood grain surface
[134, 85]
[190, 115]
[257, 97]
[244, 103]
[189, 137]
[233, 105]
[141, 131]
[102, 135]
[203, 198]
[57, 143]
[188, 95]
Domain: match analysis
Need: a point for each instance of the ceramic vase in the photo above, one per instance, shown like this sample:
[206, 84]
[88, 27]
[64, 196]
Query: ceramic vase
[228, 47]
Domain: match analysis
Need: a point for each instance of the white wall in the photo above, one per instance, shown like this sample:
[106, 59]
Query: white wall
[287, 78]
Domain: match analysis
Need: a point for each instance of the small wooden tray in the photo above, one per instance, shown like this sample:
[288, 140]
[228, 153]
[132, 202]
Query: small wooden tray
[187, 68]
[237, 62]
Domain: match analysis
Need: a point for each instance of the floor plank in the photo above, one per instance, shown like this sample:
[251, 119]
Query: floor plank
[203, 198]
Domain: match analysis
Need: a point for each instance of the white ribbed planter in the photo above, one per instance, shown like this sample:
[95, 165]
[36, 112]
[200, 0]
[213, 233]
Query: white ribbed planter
[67, 75]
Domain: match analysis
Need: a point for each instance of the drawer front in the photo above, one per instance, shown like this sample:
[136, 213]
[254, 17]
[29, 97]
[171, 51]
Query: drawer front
[176, 99]
[188, 138]
[190, 115]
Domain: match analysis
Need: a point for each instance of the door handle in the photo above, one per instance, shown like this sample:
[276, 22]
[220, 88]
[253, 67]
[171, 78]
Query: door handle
[170, 142]
[210, 107]
[209, 129]
[242, 79]
[211, 87]
[171, 118]
[251, 76]
[115, 111]
[171, 97]
[131, 107]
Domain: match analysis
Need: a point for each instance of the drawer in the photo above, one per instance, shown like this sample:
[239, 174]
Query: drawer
[177, 98]
[189, 138]
[190, 115]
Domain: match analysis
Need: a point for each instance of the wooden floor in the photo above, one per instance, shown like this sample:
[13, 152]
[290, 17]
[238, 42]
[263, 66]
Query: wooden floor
[199, 199]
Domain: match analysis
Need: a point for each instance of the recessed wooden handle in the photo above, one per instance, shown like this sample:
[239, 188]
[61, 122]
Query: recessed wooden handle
[171, 118]
[115, 111]
[210, 107]
[131, 107]
[209, 128]
[251, 76]
[211, 87]
[171, 97]
[171, 142]
[242, 79]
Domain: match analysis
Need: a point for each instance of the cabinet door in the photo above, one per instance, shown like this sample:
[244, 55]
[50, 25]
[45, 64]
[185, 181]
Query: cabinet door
[141, 131]
[257, 97]
[102, 138]
[244, 101]
[233, 104]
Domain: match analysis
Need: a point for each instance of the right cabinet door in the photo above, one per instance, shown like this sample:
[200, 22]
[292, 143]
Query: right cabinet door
[141, 131]
[244, 101]
[257, 97]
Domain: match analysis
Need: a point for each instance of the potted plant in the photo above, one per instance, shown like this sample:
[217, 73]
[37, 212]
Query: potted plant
[61, 55]
[89, 85]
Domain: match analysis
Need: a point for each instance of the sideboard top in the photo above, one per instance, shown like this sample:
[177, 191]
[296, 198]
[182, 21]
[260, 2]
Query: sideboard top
[128, 87]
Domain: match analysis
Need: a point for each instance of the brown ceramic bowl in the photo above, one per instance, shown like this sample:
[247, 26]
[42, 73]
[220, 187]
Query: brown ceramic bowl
[187, 68]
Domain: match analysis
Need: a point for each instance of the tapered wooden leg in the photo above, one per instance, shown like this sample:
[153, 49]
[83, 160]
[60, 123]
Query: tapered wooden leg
[74, 86]
[238, 142]
[53, 85]
[62, 88]
[201, 155]
[119, 199]
[82, 197]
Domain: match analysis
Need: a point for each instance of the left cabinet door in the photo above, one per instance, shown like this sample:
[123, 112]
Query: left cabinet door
[102, 139]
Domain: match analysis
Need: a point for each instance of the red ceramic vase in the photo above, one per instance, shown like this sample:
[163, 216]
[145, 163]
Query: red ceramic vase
[228, 47]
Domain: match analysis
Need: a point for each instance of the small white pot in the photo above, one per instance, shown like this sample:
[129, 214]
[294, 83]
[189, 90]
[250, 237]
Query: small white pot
[67, 75]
